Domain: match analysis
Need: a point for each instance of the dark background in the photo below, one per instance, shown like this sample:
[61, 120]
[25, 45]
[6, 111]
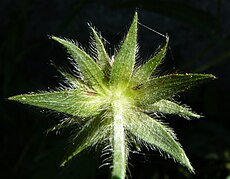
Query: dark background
[199, 40]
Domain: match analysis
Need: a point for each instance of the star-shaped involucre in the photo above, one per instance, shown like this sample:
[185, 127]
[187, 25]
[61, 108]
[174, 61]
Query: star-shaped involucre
[115, 99]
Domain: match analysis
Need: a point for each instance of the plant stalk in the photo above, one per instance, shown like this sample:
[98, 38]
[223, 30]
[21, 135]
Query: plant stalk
[119, 144]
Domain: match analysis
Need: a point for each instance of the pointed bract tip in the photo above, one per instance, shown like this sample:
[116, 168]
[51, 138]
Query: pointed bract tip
[62, 164]
[93, 31]
[191, 169]
[10, 98]
[188, 165]
[59, 39]
[167, 38]
[135, 16]
[210, 76]
[54, 38]
[213, 77]
[19, 98]
[13, 98]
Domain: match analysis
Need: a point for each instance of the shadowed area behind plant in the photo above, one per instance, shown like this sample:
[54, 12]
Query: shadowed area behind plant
[26, 51]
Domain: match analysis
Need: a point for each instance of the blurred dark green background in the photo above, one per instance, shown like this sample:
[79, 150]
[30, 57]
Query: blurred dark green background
[199, 40]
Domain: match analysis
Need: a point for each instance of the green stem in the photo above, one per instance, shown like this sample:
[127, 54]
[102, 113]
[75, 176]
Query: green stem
[119, 144]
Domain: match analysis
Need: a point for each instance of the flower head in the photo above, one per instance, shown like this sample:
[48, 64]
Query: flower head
[115, 98]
